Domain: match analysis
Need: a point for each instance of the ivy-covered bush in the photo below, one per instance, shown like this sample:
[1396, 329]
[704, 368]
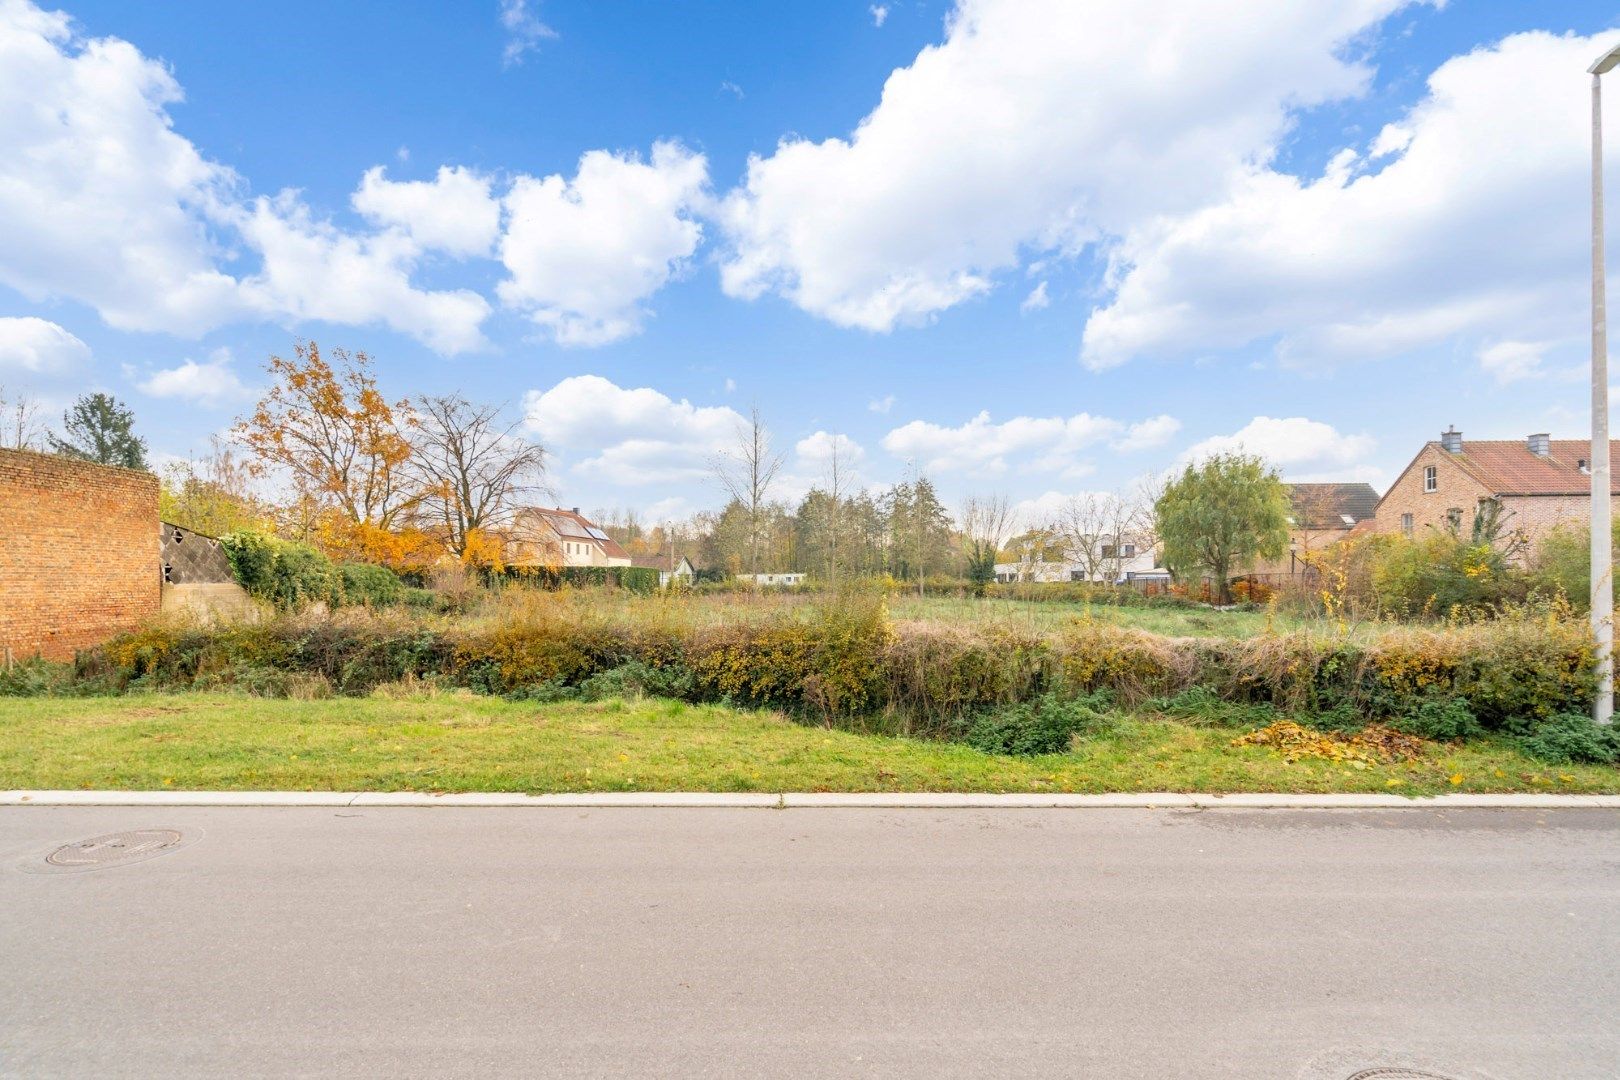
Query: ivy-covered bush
[281, 572]
[289, 576]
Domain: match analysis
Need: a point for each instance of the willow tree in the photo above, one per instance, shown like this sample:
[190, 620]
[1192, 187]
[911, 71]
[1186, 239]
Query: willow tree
[1224, 512]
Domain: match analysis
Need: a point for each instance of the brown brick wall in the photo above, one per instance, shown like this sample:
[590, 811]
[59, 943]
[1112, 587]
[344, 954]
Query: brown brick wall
[78, 553]
[1428, 509]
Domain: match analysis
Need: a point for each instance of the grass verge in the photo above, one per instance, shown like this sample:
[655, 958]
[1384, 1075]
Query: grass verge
[467, 742]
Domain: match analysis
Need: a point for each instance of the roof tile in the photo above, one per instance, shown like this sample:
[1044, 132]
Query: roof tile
[1507, 467]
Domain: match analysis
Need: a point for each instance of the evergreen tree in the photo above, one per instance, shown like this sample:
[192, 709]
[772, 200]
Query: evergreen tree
[101, 428]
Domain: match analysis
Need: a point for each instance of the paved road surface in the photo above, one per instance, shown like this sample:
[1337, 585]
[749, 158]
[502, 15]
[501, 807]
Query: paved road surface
[959, 943]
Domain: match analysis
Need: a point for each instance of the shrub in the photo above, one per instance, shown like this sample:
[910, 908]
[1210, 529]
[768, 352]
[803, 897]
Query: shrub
[35, 678]
[365, 583]
[1442, 573]
[764, 665]
[1046, 725]
[936, 673]
[1444, 719]
[636, 579]
[1574, 738]
[1131, 664]
[852, 634]
[844, 659]
[636, 679]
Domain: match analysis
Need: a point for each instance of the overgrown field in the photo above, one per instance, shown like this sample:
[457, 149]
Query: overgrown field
[1008, 684]
[461, 741]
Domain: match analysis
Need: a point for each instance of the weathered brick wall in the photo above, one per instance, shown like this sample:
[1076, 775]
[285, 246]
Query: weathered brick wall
[78, 553]
[1540, 515]
[1428, 509]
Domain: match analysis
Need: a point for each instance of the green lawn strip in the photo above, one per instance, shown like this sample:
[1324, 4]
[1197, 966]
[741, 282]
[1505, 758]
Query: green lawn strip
[455, 742]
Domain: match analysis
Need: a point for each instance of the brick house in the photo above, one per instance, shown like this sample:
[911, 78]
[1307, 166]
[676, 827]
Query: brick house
[1320, 515]
[558, 537]
[1541, 483]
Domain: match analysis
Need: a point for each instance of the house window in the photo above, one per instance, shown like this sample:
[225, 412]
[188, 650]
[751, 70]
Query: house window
[1454, 517]
[1108, 551]
[1077, 575]
[1130, 551]
[1431, 479]
[1406, 524]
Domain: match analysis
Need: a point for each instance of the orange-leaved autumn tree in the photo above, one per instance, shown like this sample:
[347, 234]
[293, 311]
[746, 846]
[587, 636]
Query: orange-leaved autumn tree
[342, 446]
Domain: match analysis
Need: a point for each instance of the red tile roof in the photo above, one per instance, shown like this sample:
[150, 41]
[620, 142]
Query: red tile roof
[1507, 467]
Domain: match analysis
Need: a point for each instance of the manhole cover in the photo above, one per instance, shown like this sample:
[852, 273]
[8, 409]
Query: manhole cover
[113, 849]
[1397, 1073]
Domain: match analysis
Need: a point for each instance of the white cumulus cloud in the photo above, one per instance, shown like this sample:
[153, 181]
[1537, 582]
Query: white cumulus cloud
[104, 202]
[982, 446]
[100, 200]
[816, 451]
[585, 254]
[1034, 126]
[629, 436]
[314, 270]
[1148, 434]
[1302, 449]
[39, 347]
[1464, 218]
[210, 383]
[454, 212]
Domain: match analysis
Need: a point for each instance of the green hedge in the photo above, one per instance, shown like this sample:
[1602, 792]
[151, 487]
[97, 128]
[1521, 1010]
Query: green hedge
[847, 660]
[636, 579]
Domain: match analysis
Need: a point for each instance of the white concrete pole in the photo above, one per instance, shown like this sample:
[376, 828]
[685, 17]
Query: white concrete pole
[1602, 543]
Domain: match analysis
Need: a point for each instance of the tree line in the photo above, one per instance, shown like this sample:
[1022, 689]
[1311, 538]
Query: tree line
[325, 458]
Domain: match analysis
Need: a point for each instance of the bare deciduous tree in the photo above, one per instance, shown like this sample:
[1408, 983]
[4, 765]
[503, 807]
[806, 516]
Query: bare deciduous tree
[747, 472]
[837, 477]
[1095, 526]
[20, 425]
[986, 522]
[473, 467]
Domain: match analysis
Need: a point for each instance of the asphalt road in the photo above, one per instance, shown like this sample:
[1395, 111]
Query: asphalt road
[707, 942]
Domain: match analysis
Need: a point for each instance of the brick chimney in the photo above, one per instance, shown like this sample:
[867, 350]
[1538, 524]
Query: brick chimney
[1451, 440]
[1540, 444]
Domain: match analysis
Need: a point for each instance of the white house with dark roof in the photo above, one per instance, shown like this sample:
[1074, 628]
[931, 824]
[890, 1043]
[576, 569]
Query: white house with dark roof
[670, 568]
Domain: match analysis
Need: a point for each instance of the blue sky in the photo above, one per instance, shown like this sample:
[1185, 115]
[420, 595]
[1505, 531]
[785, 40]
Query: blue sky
[1027, 246]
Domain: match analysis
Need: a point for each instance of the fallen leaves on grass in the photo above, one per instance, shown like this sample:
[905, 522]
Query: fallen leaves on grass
[1373, 746]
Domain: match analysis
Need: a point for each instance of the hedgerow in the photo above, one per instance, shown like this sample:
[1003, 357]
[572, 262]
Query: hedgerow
[846, 659]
